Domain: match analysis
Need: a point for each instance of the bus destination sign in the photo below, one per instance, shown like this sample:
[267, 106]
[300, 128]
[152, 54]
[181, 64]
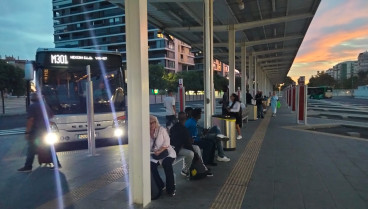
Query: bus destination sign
[63, 59]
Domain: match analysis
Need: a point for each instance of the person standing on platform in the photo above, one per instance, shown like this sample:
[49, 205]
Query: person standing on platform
[169, 103]
[36, 128]
[259, 100]
[225, 100]
[248, 98]
[274, 100]
[235, 111]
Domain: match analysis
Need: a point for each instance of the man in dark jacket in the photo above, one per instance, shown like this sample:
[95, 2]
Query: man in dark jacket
[36, 128]
[182, 142]
[259, 100]
[249, 98]
[225, 100]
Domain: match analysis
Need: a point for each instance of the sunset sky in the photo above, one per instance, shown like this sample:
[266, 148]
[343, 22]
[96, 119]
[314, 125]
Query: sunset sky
[338, 32]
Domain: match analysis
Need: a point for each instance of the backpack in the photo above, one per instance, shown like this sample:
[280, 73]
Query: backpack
[197, 170]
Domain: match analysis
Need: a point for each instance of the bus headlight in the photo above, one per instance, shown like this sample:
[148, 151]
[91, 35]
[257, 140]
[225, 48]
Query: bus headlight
[118, 132]
[51, 138]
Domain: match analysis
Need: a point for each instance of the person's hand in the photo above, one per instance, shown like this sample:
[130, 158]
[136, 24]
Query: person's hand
[158, 152]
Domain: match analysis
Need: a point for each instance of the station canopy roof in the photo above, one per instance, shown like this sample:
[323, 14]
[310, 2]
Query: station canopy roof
[272, 30]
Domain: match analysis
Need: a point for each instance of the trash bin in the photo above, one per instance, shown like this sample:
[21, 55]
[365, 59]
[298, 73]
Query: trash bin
[227, 126]
[252, 114]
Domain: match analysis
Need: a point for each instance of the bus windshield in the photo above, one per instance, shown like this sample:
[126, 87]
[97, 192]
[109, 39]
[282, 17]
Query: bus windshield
[65, 90]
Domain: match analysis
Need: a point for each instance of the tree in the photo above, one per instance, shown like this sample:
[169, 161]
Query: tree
[11, 79]
[220, 82]
[321, 79]
[193, 80]
[287, 82]
[156, 77]
[171, 81]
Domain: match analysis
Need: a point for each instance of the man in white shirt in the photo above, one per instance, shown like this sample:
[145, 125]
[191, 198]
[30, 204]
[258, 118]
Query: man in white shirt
[169, 103]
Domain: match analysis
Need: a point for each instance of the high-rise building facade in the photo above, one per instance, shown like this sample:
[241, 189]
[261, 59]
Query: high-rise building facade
[343, 70]
[98, 24]
[363, 61]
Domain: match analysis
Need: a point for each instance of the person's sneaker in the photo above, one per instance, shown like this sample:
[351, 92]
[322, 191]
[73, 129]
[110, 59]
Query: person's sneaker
[223, 159]
[183, 173]
[239, 137]
[25, 170]
[209, 174]
[172, 194]
[222, 137]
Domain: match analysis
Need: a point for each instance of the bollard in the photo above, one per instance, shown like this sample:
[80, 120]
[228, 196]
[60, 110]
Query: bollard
[90, 115]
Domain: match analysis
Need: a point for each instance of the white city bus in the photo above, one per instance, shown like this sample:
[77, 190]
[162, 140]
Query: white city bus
[61, 76]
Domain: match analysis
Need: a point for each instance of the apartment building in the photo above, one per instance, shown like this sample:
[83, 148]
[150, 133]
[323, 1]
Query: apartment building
[363, 61]
[98, 24]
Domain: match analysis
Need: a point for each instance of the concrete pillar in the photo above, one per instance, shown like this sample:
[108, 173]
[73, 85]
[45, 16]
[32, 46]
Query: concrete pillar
[138, 104]
[231, 59]
[251, 74]
[208, 72]
[243, 73]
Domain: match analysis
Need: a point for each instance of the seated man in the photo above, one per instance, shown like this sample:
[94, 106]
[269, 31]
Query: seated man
[208, 143]
[183, 144]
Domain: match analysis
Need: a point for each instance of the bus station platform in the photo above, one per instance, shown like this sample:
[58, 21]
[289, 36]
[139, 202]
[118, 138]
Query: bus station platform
[277, 164]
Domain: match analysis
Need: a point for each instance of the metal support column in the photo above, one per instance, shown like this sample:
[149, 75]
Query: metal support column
[138, 104]
[243, 73]
[255, 75]
[208, 71]
[251, 75]
[231, 59]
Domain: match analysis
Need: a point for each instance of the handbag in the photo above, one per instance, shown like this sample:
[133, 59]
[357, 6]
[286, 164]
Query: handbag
[162, 155]
[278, 105]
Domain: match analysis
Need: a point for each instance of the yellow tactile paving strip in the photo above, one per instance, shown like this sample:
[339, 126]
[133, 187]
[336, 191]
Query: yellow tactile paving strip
[233, 191]
[79, 193]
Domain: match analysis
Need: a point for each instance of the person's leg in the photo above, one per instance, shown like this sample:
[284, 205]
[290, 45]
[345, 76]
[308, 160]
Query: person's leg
[31, 151]
[238, 129]
[188, 158]
[197, 150]
[211, 136]
[156, 175]
[169, 173]
[208, 150]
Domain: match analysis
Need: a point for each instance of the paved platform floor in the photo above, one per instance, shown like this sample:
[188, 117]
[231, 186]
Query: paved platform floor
[291, 169]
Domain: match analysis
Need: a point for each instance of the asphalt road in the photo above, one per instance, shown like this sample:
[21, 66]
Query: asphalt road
[17, 121]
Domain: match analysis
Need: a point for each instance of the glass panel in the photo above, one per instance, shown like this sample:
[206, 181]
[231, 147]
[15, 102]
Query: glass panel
[65, 91]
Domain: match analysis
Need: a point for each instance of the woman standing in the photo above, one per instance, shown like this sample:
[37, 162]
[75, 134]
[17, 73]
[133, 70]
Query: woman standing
[234, 110]
[274, 100]
[162, 153]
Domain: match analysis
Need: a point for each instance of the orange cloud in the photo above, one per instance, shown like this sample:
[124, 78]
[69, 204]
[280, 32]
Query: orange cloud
[321, 49]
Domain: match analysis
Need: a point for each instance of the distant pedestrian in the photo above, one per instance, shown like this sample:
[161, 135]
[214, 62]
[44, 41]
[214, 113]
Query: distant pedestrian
[235, 110]
[274, 100]
[248, 98]
[225, 100]
[36, 128]
[259, 103]
[169, 103]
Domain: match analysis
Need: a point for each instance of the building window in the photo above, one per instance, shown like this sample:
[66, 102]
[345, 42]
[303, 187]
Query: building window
[170, 64]
[160, 35]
